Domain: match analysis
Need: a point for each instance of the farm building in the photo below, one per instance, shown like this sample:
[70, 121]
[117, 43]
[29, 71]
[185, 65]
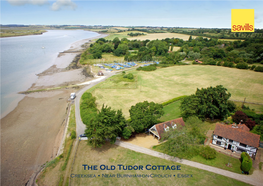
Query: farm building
[236, 138]
[158, 129]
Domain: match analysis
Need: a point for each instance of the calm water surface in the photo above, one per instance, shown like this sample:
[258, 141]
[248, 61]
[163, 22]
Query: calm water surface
[23, 57]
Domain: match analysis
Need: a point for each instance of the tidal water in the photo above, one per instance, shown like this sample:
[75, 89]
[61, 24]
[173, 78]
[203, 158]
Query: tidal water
[25, 56]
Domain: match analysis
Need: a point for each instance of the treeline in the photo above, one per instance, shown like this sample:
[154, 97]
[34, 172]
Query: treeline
[221, 33]
[107, 124]
[135, 34]
[212, 51]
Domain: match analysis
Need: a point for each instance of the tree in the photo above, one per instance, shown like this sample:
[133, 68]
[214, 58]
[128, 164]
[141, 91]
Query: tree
[107, 124]
[121, 50]
[211, 102]
[238, 116]
[116, 42]
[250, 124]
[145, 115]
[246, 164]
[127, 132]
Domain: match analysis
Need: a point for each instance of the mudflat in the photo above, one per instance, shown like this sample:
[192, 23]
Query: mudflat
[31, 135]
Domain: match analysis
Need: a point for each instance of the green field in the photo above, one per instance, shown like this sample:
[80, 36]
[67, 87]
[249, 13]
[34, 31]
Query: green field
[114, 155]
[106, 58]
[167, 83]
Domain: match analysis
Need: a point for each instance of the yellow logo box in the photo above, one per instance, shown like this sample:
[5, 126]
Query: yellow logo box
[242, 20]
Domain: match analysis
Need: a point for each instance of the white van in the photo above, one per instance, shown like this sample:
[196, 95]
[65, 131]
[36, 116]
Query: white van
[72, 96]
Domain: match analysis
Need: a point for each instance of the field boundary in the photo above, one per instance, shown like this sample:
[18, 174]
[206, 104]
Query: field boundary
[246, 102]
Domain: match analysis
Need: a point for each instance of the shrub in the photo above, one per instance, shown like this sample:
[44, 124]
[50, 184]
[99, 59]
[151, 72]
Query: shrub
[147, 68]
[252, 67]
[126, 133]
[208, 152]
[238, 116]
[242, 65]
[246, 164]
[243, 155]
[259, 69]
[130, 76]
[73, 134]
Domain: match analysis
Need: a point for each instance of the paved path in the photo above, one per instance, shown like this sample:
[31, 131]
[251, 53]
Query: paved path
[244, 178]
[80, 127]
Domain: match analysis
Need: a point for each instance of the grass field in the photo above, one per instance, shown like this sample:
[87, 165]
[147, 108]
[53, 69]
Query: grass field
[161, 36]
[121, 35]
[114, 155]
[167, 83]
[106, 58]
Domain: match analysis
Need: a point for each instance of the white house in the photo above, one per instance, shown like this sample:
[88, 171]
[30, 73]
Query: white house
[158, 129]
[236, 138]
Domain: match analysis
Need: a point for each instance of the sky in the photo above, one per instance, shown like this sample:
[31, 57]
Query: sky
[166, 13]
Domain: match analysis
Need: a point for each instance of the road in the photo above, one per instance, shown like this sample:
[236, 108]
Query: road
[80, 127]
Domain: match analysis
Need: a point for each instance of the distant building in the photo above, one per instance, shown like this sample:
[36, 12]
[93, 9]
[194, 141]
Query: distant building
[236, 138]
[197, 61]
[158, 129]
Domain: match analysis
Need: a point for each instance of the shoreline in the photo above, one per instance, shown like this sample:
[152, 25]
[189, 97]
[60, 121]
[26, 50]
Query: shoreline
[38, 122]
[60, 63]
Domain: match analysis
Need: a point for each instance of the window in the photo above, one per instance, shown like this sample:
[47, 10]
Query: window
[218, 142]
[231, 141]
[242, 145]
[219, 137]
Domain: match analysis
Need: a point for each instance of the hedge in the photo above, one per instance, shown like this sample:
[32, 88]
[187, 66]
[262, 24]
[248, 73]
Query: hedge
[173, 100]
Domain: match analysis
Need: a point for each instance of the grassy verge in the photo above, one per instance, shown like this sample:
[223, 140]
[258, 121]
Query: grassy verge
[53, 174]
[114, 155]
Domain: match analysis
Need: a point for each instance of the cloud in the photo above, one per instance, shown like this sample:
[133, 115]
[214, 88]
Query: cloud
[63, 3]
[23, 2]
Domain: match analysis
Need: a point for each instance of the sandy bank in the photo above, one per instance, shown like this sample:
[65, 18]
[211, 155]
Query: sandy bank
[32, 132]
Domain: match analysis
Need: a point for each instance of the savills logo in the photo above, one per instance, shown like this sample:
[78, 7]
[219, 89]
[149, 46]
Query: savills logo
[242, 20]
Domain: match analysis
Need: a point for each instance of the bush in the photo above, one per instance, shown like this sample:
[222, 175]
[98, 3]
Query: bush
[242, 66]
[147, 68]
[126, 133]
[252, 67]
[246, 164]
[238, 116]
[243, 156]
[130, 76]
[259, 69]
[73, 134]
[208, 152]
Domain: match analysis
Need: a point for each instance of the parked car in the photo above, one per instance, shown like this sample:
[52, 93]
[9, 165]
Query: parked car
[83, 137]
[72, 96]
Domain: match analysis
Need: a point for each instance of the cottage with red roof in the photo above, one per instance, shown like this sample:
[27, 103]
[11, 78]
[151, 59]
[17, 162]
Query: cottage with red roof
[158, 129]
[236, 138]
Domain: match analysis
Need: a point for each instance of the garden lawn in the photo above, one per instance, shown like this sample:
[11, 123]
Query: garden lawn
[171, 111]
[114, 155]
[220, 161]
